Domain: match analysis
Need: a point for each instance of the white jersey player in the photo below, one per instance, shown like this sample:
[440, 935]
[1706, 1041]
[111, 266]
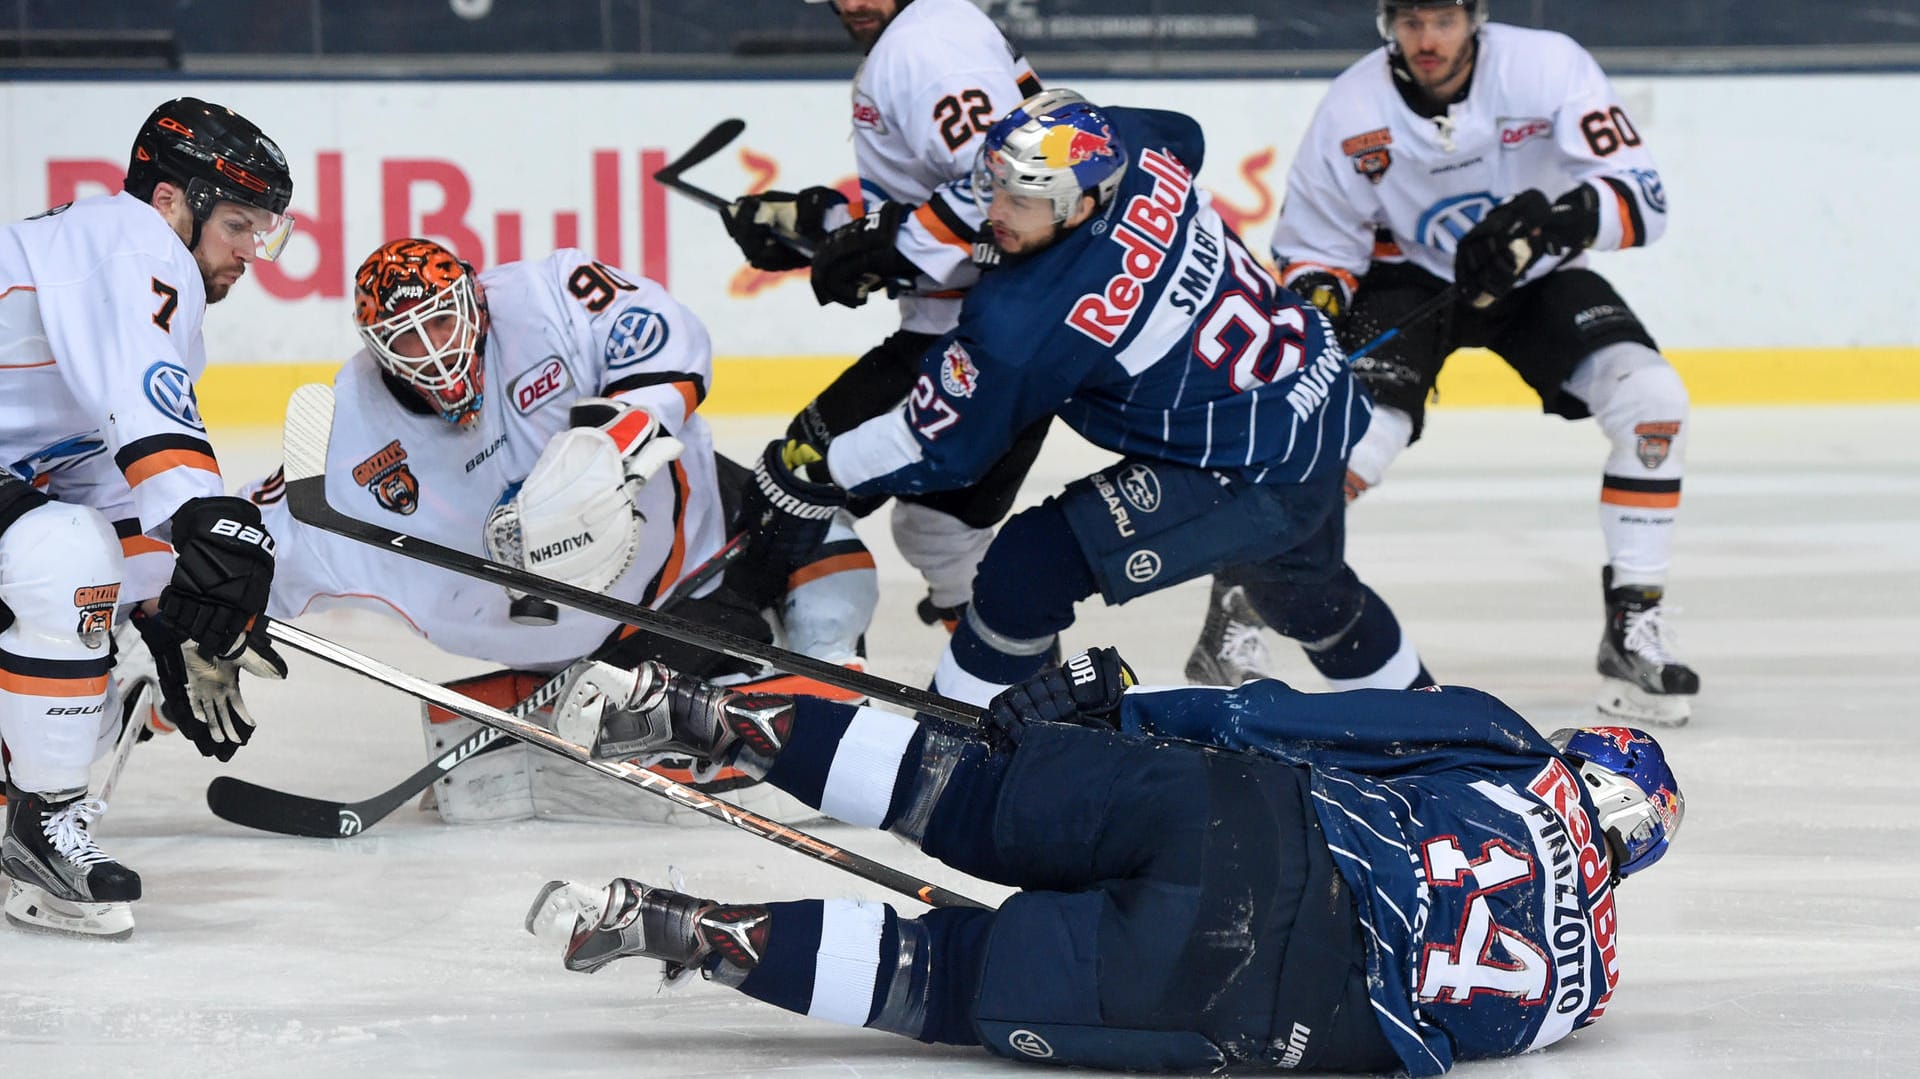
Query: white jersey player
[107, 473]
[540, 413]
[937, 74]
[1493, 157]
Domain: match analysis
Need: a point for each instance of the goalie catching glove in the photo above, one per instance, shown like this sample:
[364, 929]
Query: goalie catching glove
[210, 625]
[575, 518]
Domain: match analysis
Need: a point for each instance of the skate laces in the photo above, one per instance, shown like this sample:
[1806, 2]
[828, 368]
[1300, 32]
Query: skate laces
[1648, 637]
[1243, 651]
[67, 830]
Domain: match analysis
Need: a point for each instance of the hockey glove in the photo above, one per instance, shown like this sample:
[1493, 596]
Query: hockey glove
[1323, 290]
[222, 572]
[787, 510]
[200, 696]
[765, 225]
[1519, 232]
[1085, 690]
[860, 256]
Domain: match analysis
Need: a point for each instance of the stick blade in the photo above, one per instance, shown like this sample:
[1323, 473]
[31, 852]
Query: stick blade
[709, 144]
[251, 806]
[309, 424]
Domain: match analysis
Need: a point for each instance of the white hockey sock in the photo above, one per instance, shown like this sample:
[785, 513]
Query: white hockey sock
[848, 961]
[943, 548]
[1640, 403]
[1387, 435]
[866, 767]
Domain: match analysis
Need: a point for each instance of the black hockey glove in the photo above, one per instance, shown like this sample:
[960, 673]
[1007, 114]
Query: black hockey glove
[1085, 690]
[786, 512]
[222, 572]
[763, 224]
[1519, 232]
[859, 257]
[201, 696]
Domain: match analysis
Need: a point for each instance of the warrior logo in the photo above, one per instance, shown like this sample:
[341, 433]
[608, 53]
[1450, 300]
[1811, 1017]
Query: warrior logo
[387, 478]
[1030, 1044]
[349, 823]
[1143, 566]
[1655, 442]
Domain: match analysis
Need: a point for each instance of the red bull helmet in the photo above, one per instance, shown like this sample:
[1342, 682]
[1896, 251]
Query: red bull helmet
[1638, 801]
[1054, 145]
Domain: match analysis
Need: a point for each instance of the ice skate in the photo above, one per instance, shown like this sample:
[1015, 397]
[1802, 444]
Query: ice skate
[1230, 649]
[650, 713]
[629, 918]
[60, 881]
[1642, 681]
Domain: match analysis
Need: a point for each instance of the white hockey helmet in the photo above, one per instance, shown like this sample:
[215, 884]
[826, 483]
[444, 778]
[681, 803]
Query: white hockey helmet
[1055, 145]
[418, 314]
[1384, 9]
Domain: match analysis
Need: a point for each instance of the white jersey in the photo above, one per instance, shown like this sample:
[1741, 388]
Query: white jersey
[936, 79]
[100, 347]
[1539, 113]
[560, 329]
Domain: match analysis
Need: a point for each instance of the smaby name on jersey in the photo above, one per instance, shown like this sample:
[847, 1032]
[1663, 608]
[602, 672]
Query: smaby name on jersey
[1145, 232]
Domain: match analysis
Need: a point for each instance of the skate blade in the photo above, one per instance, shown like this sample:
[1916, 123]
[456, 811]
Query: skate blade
[1625, 701]
[560, 904]
[32, 909]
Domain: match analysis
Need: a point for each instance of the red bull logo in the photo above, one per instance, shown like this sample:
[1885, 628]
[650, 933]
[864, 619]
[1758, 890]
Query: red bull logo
[1066, 146]
[1623, 738]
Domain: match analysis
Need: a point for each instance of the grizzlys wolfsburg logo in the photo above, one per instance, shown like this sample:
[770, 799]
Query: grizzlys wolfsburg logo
[170, 389]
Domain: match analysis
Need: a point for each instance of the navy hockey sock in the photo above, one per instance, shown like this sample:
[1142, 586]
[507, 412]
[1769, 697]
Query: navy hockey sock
[1372, 654]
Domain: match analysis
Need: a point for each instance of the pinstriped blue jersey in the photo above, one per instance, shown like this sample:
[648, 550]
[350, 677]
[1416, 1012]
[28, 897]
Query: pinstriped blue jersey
[1149, 329]
[1480, 879]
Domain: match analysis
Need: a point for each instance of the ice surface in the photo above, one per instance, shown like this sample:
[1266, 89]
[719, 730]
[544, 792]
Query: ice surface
[1781, 936]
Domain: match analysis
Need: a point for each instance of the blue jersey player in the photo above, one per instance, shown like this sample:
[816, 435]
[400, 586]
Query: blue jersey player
[1125, 306]
[1366, 881]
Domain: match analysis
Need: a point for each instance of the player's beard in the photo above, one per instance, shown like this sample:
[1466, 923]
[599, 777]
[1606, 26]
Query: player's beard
[866, 36]
[1461, 63]
[214, 278]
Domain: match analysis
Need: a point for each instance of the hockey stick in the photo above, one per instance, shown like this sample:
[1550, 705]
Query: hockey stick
[1446, 297]
[684, 796]
[709, 144]
[251, 805]
[140, 694]
[309, 425]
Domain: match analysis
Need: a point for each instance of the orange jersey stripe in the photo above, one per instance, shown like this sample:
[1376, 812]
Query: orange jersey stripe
[135, 545]
[1627, 236]
[1653, 500]
[827, 567]
[938, 228]
[677, 554]
[155, 463]
[689, 395]
[28, 685]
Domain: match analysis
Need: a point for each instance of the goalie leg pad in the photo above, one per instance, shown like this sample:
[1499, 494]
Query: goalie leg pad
[492, 787]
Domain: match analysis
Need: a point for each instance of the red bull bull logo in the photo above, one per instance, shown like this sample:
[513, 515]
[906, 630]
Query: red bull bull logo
[1066, 146]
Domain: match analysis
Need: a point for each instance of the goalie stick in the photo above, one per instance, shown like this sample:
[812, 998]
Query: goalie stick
[752, 823]
[310, 424]
[251, 805]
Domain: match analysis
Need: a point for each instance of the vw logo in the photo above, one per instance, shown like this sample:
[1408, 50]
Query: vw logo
[638, 334]
[170, 389]
[1446, 221]
[1142, 566]
[1030, 1044]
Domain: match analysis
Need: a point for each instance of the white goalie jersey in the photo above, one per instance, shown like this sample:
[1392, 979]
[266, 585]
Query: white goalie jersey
[1539, 113]
[562, 328]
[936, 80]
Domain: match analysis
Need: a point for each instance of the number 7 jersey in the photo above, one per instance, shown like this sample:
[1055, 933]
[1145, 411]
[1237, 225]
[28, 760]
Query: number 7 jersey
[1538, 114]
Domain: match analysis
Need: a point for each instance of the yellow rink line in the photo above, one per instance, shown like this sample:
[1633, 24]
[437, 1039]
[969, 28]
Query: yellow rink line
[235, 395]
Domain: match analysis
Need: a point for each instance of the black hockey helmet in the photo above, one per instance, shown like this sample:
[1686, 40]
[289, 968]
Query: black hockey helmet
[1384, 9]
[213, 154]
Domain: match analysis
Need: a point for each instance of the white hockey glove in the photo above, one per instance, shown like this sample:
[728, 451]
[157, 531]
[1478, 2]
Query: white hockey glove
[574, 518]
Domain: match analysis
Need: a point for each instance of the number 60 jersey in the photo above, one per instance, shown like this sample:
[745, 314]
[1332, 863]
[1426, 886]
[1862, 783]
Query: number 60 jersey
[1538, 114]
[561, 328]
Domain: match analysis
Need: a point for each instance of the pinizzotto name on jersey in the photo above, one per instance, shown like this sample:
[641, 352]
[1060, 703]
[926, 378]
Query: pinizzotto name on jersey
[1145, 232]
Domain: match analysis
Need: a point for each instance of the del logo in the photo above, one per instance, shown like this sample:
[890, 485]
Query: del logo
[866, 114]
[170, 389]
[958, 375]
[387, 478]
[1515, 130]
[638, 334]
[538, 386]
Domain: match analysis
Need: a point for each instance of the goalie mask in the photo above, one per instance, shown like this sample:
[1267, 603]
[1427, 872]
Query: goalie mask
[1054, 145]
[1638, 801]
[417, 310]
